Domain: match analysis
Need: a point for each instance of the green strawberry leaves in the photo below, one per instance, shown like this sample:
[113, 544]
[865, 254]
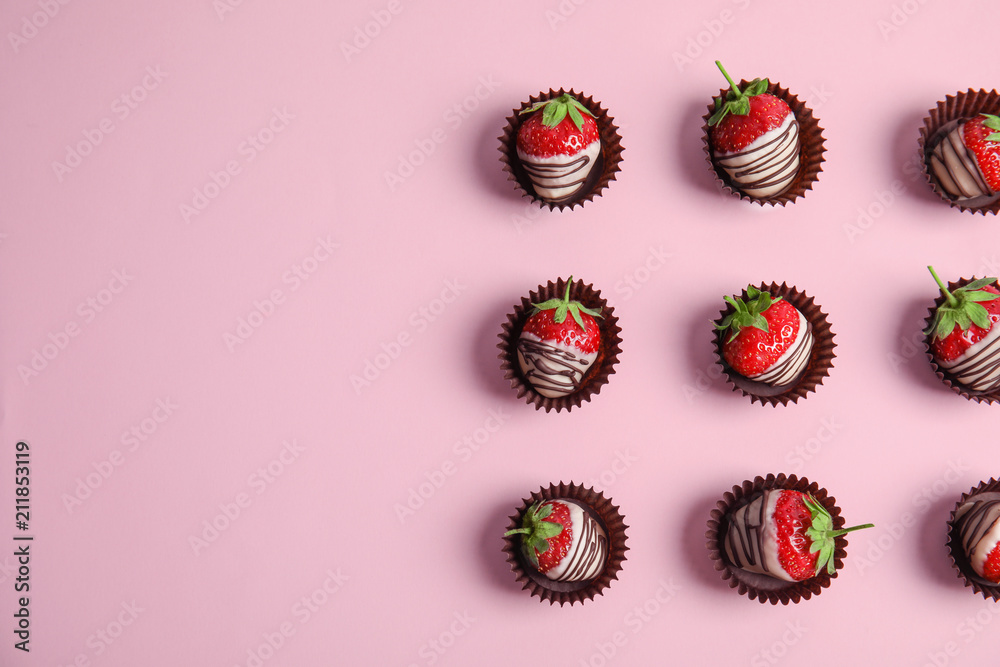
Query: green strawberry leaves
[537, 531]
[748, 313]
[823, 535]
[564, 306]
[557, 108]
[961, 307]
[992, 123]
[737, 102]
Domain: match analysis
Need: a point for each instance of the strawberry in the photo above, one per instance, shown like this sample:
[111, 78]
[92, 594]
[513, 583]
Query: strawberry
[966, 158]
[562, 541]
[963, 338]
[555, 351]
[558, 146]
[755, 138]
[977, 522]
[983, 139]
[784, 534]
[770, 341]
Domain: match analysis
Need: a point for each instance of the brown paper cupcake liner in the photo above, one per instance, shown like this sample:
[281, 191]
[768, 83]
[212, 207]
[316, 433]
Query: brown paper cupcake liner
[600, 370]
[959, 559]
[601, 175]
[761, 587]
[610, 518]
[820, 359]
[811, 143]
[943, 374]
[957, 107]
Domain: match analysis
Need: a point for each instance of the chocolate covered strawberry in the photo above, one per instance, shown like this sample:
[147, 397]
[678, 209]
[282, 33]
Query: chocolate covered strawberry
[558, 345]
[754, 137]
[977, 521]
[964, 338]
[562, 540]
[558, 146]
[766, 338]
[966, 157]
[784, 534]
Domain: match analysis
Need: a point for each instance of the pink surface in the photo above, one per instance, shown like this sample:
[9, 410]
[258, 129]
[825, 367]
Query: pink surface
[229, 253]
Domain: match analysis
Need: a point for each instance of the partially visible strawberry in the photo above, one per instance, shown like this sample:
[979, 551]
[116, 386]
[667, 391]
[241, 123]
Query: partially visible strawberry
[991, 569]
[549, 323]
[761, 330]
[965, 318]
[559, 126]
[744, 116]
[982, 137]
[552, 546]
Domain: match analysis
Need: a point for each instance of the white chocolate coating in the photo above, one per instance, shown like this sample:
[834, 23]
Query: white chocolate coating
[750, 542]
[978, 368]
[553, 369]
[768, 165]
[793, 360]
[588, 551]
[560, 177]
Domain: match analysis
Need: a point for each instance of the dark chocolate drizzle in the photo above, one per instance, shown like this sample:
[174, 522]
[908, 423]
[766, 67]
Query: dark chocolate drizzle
[802, 348]
[551, 367]
[549, 171]
[974, 371]
[587, 560]
[976, 522]
[768, 158]
[744, 535]
[961, 166]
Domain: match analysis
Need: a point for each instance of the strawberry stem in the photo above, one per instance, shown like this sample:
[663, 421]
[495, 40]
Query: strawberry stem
[952, 301]
[569, 284]
[732, 83]
[844, 531]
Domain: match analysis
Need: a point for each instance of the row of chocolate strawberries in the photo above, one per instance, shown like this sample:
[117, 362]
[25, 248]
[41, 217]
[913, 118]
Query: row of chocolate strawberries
[560, 345]
[562, 149]
[777, 539]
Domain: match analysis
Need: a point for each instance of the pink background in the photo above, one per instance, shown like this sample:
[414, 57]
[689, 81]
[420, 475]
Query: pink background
[114, 515]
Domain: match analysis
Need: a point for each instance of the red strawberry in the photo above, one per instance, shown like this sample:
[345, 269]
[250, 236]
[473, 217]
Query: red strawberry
[982, 137]
[556, 351]
[562, 541]
[740, 120]
[558, 146]
[964, 319]
[991, 568]
[769, 340]
[795, 540]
